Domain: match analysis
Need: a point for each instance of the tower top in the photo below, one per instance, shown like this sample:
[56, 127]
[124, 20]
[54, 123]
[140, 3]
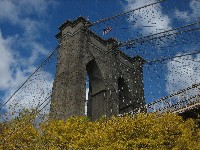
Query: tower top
[75, 22]
[84, 24]
[111, 41]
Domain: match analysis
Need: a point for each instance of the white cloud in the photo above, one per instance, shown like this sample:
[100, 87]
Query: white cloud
[6, 60]
[38, 6]
[37, 50]
[182, 15]
[194, 14]
[31, 28]
[182, 73]
[11, 64]
[14, 10]
[154, 18]
[14, 66]
[195, 5]
[8, 11]
[33, 93]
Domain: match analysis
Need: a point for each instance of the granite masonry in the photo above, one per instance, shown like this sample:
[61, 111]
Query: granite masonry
[115, 79]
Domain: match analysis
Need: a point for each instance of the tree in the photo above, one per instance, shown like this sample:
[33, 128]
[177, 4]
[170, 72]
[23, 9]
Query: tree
[141, 131]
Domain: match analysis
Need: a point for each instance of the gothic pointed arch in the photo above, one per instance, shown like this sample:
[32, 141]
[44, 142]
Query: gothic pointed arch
[96, 96]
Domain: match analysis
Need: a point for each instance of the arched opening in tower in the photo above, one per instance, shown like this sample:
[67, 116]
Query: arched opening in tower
[87, 92]
[125, 102]
[96, 95]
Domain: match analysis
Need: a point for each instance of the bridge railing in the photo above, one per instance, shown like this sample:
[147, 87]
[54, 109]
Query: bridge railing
[176, 101]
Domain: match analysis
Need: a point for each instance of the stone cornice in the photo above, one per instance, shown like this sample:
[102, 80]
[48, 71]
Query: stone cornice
[131, 59]
[72, 24]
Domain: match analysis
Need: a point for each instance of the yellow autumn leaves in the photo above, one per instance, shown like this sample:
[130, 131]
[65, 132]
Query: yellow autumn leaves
[142, 131]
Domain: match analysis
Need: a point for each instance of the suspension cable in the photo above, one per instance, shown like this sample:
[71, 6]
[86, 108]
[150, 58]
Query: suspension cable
[168, 58]
[29, 78]
[123, 13]
[134, 41]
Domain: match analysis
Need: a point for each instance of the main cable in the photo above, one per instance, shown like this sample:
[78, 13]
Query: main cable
[123, 13]
[134, 41]
[168, 58]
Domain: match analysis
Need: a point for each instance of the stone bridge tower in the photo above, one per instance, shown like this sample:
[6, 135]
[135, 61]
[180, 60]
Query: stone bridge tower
[115, 79]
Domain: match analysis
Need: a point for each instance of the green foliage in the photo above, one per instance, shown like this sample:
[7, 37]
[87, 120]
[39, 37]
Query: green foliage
[142, 131]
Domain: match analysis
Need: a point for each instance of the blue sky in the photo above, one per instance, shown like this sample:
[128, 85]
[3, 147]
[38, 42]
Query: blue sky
[28, 29]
